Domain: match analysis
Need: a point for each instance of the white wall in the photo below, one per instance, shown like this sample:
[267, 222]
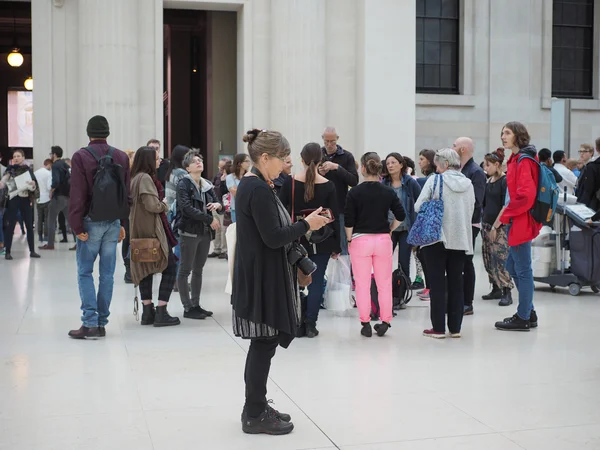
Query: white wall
[508, 47]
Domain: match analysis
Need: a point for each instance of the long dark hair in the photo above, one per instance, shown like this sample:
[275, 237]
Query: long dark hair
[238, 160]
[312, 155]
[429, 155]
[144, 161]
[176, 161]
[398, 157]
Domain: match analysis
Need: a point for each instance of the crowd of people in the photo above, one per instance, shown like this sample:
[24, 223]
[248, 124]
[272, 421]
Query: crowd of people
[289, 227]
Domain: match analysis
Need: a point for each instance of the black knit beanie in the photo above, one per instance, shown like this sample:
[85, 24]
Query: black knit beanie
[97, 127]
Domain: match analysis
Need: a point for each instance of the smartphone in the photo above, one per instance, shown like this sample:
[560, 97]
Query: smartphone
[326, 212]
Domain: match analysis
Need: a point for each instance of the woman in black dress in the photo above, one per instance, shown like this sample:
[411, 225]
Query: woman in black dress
[265, 295]
[311, 191]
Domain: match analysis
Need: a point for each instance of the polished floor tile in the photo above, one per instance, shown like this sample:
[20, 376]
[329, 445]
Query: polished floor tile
[182, 387]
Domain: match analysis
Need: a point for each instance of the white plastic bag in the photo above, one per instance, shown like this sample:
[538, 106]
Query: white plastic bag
[339, 285]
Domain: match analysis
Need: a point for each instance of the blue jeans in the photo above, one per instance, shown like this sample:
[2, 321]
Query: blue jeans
[343, 237]
[316, 289]
[518, 265]
[233, 216]
[102, 241]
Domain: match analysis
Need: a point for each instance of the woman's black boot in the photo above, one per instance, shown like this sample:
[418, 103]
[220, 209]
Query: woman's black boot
[148, 314]
[366, 331]
[163, 318]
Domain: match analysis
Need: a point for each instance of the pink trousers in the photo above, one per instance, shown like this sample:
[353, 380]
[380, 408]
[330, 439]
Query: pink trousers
[372, 253]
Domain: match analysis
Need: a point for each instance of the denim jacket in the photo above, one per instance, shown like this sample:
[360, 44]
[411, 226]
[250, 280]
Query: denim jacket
[410, 193]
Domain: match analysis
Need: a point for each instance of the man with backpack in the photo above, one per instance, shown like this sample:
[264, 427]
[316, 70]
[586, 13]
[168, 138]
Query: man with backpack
[522, 177]
[98, 208]
[59, 194]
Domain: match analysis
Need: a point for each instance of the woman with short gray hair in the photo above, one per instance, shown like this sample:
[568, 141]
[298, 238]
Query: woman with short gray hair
[445, 259]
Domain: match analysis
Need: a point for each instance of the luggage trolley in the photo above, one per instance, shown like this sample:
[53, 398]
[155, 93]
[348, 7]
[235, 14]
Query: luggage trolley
[570, 221]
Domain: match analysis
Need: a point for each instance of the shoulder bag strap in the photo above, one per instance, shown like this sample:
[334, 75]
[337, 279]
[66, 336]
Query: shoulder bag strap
[441, 185]
[293, 197]
[94, 154]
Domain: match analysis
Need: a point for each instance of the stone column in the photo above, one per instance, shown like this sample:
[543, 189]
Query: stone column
[109, 68]
[298, 71]
[386, 76]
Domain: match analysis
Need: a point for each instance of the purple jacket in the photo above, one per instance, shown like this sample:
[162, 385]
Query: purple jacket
[83, 169]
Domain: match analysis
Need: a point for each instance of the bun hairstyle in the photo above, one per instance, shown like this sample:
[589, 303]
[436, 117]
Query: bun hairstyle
[312, 155]
[261, 142]
[372, 164]
[496, 156]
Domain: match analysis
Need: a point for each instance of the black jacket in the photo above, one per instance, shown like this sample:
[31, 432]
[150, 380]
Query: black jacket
[192, 216]
[61, 178]
[262, 289]
[346, 175]
[588, 186]
[477, 176]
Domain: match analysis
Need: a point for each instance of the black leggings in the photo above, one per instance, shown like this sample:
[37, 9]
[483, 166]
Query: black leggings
[125, 245]
[258, 365]
[169, 276]
[10, 218]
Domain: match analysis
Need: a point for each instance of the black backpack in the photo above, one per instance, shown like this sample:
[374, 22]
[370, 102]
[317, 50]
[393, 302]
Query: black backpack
[109, 196]
[401, 293]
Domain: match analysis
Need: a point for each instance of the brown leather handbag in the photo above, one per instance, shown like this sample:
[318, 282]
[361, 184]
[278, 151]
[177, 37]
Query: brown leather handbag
[144, 250]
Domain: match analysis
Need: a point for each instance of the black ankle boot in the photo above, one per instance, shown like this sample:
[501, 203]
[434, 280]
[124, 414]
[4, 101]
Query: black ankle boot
[311, 329]
[127, 276]
[163, 318]
[381, 328]
[496, 294]
[148, 314]
[506, 297]
[366, 331]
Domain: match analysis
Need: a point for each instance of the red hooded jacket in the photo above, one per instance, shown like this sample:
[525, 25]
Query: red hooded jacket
[522, 181]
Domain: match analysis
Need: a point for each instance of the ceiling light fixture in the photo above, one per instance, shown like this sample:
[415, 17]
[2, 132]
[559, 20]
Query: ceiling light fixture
[15, 58]
[28, 84]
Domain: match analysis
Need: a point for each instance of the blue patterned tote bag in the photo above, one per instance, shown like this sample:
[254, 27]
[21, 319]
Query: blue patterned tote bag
[427, 229]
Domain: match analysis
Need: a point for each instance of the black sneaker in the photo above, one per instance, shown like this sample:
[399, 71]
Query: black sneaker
[8, 256]
[468, 311]
[366, 330]
[102, 331]
[34, 255]
[533, 319]
[281, 416]
[267, 423]
[311, 329]
[496, 294]
[205, 312]
[506, 299]
[381, 328]
[515, 323]
[214, 255]
[194, 313]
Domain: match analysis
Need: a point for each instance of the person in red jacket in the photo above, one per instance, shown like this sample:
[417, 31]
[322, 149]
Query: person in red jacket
[522, 181]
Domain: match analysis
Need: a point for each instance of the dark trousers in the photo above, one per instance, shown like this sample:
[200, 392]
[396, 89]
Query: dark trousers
[125, 245]
[469, 273]
[423, 260]
[258, 365]
[42, 220]
[399, 238]
[62, 224]
[194, 252]
[169, 276]
[13, 207]
[446, 280]
[317, 287]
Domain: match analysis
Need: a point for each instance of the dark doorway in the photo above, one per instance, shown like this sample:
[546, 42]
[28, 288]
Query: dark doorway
[15, 31]
[185, 79]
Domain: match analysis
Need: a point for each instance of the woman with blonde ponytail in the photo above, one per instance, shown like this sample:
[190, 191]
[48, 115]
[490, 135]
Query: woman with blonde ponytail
[302, 194]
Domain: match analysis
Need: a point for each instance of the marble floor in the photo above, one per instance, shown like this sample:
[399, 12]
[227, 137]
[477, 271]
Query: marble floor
[175, 388]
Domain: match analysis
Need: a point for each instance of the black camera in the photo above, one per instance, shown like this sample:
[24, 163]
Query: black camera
[298, 256]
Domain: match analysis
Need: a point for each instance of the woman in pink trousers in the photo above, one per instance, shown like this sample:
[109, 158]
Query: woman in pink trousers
[368, 230]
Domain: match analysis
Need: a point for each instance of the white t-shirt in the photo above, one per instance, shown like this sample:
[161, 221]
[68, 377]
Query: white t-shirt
[44, 179]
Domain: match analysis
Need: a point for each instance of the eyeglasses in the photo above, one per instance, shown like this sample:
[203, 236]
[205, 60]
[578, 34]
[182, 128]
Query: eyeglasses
[330, 141]
[584, 151]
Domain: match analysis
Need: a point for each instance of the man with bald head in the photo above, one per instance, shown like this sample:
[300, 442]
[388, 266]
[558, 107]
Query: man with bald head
[339, 167]
[465, 148]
